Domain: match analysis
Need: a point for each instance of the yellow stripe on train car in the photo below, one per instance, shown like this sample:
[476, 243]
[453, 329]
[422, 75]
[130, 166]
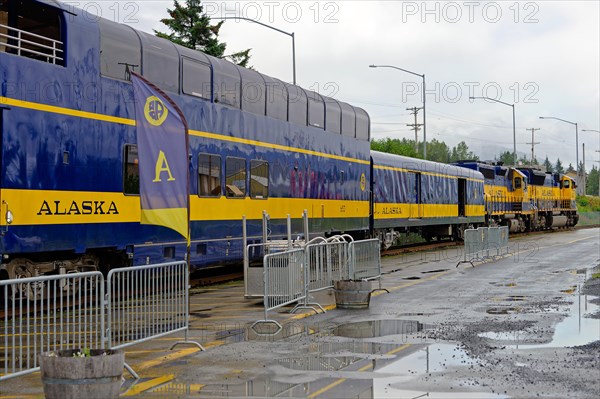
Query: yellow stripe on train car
[39, 207]
[416, 211]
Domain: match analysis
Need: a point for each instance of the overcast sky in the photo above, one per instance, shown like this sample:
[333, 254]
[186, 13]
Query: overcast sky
[543, 56]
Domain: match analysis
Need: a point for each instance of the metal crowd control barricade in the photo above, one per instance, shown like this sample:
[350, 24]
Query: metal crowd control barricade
[283, 284]
[504, 249]
[365, 260]
[47, 314]
[327, 260]
[485, 243]
[147, 302]
[473, 246]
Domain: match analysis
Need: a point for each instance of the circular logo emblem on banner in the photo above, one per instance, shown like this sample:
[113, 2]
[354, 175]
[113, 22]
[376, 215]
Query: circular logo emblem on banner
[155, 111]
[363, 182]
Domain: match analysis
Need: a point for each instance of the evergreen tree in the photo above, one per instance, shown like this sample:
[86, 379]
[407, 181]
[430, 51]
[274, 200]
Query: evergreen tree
[395, 146]
[506, 158]
[191, 27]
[592, 182]
[461, 152]
[570, 169]
[438, 151]
[559, 168]
[548, 165]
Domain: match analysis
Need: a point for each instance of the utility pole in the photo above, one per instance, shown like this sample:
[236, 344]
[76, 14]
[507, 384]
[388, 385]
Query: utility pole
[583, 172]
[533, 143]
[598, 151]
[416, 126]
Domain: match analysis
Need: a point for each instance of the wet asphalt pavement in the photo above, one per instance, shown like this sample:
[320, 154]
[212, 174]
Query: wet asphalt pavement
[524, 326]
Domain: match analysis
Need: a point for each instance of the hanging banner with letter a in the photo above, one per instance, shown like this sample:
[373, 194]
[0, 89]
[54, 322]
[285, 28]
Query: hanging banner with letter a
[162, 140]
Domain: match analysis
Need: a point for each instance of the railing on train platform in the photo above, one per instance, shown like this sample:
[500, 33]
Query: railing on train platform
[147, 302]
[292, 276]
[485, 243]
[283, 284]
[47, 314]
[74, 311]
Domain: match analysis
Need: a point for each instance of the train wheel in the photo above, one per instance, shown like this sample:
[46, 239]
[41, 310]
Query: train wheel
[32, 291]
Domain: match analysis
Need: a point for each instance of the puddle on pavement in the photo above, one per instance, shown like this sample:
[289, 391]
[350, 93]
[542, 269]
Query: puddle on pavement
[574, 330]
[411, 278]
[430, 362]
[378, 328]
[437, 358]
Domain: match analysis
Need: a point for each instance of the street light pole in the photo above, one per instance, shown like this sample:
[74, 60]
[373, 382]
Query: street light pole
[513, 121]
[422, 76]
[576, 142]
[290, 34]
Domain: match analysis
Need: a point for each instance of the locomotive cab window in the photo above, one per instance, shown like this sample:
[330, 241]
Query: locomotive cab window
[209, 175]
[235, 177]
[259, 179]
[131, 170]
[32, 30]
[517, 183]
[567, 184]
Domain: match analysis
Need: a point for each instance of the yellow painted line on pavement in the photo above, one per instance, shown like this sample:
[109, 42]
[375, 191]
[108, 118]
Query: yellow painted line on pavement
[362, 369]
[174, 356]
[144, 386]
[400, 349]
[415, 282]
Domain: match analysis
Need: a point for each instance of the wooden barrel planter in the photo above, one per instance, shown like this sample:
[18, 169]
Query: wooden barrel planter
[351, 294]
[66, 377]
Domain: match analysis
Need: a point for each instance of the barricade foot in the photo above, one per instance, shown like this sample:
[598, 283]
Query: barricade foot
[131, 371]
[381, 289]
[465, 261]
[309, 306]
[186, 342]
[262, 333]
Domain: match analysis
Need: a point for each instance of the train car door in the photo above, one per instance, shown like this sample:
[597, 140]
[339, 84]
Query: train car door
[417, 208]
[462, 197]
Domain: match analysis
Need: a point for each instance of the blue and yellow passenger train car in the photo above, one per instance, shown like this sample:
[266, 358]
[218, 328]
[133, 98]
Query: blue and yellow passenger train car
[433, 199]
[70, 181]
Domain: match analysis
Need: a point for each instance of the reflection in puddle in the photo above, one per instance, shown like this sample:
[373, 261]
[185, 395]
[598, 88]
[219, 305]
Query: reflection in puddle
[574, 330]
[501, 310]
[436, 358]
[378, 328]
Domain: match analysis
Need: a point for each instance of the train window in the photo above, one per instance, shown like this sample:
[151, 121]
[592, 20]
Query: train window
[161, 62]
[333, 116]
[363, 124]
[131, 170]
[277, 98]
[253, 91]
[119, 49]
[227, 83]
[297, 105]
[348, 120]
[209, 175]
[33, 31]
[196, 73]
[3, 25]
[316, 110]
[259, 179]
[567, 184]
[517, 182]
[235, 180]
[197, 80]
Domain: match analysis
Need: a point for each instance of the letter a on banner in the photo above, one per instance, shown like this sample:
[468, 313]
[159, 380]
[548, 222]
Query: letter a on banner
[162, 138]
